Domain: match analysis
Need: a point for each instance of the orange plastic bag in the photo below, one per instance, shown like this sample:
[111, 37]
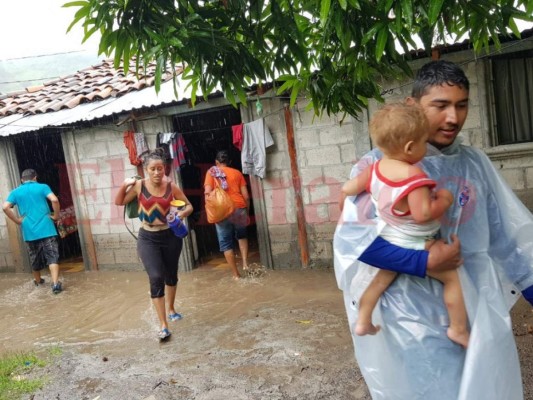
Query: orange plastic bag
[218, 205]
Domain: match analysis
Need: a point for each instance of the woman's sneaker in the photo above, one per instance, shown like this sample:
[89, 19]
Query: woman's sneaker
[57, 288]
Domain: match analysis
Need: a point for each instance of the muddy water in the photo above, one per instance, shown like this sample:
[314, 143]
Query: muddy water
[276, 335]
[108, 308]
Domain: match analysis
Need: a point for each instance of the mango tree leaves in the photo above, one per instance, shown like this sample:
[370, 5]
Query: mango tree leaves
[330, 51]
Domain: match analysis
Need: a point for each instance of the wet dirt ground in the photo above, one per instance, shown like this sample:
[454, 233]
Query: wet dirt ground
[275, 335]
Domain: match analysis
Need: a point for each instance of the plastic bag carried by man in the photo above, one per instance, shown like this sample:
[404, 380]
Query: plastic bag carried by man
[412, 357]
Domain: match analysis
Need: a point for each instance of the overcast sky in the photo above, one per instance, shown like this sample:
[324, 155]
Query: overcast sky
[38, 27]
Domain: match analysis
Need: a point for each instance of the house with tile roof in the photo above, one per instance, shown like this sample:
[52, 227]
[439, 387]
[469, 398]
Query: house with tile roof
[71, 130]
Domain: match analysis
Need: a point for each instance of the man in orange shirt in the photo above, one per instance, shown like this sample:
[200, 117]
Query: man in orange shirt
[233, 227]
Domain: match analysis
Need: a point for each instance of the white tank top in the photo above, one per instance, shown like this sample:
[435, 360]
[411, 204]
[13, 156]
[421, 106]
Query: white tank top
[386, 194]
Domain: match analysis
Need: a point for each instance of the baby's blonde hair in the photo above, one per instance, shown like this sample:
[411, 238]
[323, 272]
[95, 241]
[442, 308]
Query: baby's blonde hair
[395, 124]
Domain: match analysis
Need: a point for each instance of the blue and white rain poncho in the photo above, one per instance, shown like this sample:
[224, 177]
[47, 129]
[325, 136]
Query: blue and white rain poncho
[411, 357]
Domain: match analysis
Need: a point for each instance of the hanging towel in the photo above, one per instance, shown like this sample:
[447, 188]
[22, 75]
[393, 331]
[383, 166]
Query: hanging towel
[256, 138]
[129, 142]
[237, 135]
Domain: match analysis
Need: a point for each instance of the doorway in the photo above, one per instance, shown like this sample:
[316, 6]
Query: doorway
[205, 133]
[43, 152]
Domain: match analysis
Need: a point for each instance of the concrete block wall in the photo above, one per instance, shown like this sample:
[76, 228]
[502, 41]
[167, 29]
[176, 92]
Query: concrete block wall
[326, 151]
[278, 189]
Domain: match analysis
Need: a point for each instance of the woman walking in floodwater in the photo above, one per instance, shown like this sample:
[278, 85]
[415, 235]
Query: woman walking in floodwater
[157, 246]
[234, 226]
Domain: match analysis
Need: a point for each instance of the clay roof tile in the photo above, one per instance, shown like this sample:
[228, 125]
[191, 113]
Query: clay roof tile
[87, 85]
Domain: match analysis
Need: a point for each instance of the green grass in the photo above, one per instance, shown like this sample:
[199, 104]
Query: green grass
[14, 380]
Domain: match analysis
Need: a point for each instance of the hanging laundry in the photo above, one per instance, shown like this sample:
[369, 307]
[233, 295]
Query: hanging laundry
[140, 144]
[129, 142]
[178, 148]
[237, 135]
[256, 138]
[163, 140]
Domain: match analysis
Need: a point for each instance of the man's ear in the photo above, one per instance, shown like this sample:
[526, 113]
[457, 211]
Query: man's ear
[408, 147]
[410, 101]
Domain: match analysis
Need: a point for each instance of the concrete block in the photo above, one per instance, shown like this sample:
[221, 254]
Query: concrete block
[316, 213]
[321, 250]
[307, 138]
[514, 177]
[105, 256]
[99, 226]
[277, 161]
[116, 147]
[529, 178]
[337, 174]
[282, 233]
[93, 149]
[474, 118]
[324, 194]
[336, 135]
[126, 256]
[325, 155]
[334, 213]
[322, 232]
[311, 176]
[277, 180]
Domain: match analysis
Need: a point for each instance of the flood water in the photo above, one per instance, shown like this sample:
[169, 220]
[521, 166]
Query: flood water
[274, 335]
[271, 335]
[106, 308]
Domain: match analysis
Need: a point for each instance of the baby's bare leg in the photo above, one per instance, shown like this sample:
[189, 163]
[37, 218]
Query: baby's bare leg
[368, 301]
[455, 304]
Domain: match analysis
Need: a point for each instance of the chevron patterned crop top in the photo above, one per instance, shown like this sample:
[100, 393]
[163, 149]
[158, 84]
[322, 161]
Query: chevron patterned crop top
[153, 209]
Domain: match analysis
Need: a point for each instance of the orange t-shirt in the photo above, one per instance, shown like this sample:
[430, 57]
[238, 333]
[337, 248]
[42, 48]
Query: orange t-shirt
[235, 181]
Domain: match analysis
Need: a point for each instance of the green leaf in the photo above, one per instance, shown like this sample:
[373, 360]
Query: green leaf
[325, 5]
[83, 12]
[407, 11]
[381, 42]
[294, 94]
[435, 7]
[514, 27]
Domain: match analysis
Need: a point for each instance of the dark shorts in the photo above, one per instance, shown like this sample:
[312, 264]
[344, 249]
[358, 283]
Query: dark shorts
[43, 252]
[382, 254]
[233, 227]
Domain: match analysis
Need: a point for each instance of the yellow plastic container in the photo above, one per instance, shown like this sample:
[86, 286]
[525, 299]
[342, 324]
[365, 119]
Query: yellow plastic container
[176, 205]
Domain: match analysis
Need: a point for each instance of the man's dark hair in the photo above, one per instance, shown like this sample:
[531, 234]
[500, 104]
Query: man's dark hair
[28, 174]
[222, 157]
[438, 73]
